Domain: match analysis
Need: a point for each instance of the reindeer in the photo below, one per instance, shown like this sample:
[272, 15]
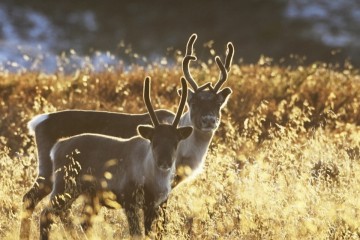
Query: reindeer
[205, 104]
[204, 112]
[136, 171]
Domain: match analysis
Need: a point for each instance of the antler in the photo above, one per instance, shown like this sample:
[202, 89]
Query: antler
[180, 110]
[147, 101]
[186, 61]
[224, 68]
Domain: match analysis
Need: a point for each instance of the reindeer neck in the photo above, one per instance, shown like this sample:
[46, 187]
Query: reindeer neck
[157, 182]
[192, 151]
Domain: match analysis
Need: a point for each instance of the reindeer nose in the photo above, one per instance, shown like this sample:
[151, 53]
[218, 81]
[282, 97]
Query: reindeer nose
[165, 166]
[208, 120]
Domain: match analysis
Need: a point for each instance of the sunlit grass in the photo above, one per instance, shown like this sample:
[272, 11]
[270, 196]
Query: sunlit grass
[258, 181]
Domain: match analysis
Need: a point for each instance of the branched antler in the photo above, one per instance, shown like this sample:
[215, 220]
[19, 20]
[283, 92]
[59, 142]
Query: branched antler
[224, 69]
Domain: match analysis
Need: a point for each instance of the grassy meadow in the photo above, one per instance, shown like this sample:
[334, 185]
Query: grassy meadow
[284, 163]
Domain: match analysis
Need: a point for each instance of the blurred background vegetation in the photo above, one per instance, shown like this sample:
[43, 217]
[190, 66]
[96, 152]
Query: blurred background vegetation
[318, 30]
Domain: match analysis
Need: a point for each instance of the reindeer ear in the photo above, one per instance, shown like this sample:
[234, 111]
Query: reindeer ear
[224, 96]
[184, 132]
[145, 131]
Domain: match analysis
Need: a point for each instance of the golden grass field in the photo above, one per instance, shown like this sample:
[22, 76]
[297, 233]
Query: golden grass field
[284, 163]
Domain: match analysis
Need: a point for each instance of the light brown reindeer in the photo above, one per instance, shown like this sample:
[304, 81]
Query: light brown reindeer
[137, 171]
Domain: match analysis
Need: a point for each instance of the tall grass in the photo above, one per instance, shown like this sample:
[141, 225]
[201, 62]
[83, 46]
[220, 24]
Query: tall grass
[283, 164]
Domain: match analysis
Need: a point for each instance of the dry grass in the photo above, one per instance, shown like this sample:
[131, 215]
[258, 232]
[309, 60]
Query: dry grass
[262, 178]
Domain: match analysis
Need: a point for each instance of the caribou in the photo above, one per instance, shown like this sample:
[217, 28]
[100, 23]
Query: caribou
[204, 105]
[137, 172]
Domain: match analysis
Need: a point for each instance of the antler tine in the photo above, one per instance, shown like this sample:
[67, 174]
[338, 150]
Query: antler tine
[187, 74]
[190, 44]
[147, 101]
[224, 69]
[180, 110]
[223, 74]
[186, 61]
[229, 56]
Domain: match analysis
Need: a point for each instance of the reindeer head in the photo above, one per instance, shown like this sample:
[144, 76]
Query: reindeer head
[205, 102]
[164, 138]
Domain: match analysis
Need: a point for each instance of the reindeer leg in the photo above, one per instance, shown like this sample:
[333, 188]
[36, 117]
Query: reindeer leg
[90, 209]
[150, 214]
[41, 188]
[46, 220]
[161, 225]
[60, 202]
[132, 215]
[56, 207]
[48, 215]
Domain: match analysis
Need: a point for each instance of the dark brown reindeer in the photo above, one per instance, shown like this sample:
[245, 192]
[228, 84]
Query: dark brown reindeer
[204, 113]
[138, 171]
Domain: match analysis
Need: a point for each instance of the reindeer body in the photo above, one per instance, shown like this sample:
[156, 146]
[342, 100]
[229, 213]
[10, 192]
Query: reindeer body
[95, 149]
[124, 167]
[48, 128]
